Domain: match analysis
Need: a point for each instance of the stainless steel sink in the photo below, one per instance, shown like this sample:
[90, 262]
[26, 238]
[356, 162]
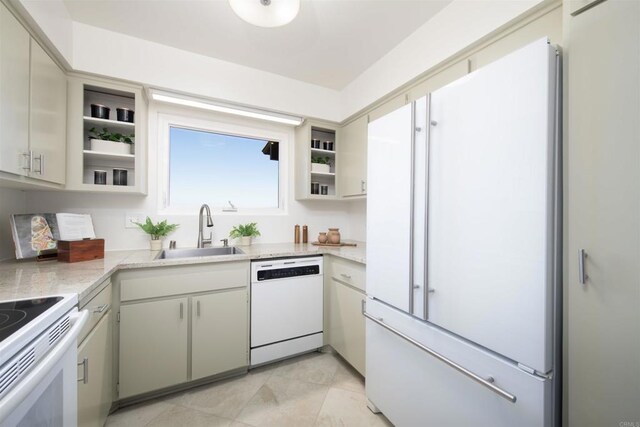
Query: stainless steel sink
[198, 252]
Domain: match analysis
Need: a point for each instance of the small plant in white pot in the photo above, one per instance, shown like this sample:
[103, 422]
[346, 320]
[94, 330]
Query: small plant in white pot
[320, 164]
[244, 232]
[156, 231]
[107, 142]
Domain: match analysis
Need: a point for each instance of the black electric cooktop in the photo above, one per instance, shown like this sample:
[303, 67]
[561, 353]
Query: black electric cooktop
[16, 314]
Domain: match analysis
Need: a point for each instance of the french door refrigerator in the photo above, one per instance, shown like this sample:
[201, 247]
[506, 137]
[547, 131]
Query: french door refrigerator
[464, 248]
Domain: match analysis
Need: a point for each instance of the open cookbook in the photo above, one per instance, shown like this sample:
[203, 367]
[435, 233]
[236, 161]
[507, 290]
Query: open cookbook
[36, 235]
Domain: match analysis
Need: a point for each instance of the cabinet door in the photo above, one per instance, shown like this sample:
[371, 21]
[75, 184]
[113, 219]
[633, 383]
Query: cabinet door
[95, 379]
[14, 94]
[48, 115]
[352, 171]
[602, 369]
[346, 323]
[153, 345]
[220, 334]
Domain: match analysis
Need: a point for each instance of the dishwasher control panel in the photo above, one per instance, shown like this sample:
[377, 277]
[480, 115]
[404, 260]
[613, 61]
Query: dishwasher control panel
[283, 273]
[285, 268]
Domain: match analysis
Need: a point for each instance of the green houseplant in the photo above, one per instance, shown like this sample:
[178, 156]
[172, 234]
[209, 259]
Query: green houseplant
[156, 231]
[320, 164]
[110, 142]
[244, 232]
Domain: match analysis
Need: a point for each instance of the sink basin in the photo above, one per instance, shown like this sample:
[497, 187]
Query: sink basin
[197, 252]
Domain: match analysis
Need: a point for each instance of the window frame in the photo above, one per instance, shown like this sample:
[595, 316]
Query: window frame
[249, 130]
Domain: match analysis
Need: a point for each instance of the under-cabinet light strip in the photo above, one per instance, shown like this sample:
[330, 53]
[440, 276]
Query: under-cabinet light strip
[205, 105]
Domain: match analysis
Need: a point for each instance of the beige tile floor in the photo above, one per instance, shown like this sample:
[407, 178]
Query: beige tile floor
[316, 389]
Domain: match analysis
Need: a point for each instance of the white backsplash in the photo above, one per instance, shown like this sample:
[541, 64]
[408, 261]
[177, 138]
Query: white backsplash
[11, 202]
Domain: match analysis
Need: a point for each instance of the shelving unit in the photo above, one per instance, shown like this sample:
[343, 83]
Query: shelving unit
[306, 177]
[82, 93]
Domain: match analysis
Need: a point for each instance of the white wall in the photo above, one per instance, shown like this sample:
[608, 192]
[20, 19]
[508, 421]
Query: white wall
[54, 21]
[11, 202]
[454, 28]
[108, 211]
[166, 67]
[457, 26]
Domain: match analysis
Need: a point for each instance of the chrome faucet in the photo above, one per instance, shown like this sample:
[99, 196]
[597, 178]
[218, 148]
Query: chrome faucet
[201, 240]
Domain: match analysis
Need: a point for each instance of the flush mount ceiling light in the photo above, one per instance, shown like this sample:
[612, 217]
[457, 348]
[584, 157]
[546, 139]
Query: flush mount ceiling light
[266, 13]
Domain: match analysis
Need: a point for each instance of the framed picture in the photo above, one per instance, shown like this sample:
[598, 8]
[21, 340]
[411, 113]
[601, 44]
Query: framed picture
[34, 234]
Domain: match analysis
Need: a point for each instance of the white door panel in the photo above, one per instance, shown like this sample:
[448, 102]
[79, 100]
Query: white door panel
[285, 308]
[412, 388]
[389, 207]
[491, 206]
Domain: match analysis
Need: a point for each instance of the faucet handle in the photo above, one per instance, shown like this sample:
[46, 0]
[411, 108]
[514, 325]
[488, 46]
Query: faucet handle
[225, 242]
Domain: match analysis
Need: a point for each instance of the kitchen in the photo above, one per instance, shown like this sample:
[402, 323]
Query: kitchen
[600, 376]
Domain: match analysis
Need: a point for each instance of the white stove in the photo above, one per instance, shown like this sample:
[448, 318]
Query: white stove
[38, 352]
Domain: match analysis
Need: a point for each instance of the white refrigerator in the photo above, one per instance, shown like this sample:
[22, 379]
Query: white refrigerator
[464, 250]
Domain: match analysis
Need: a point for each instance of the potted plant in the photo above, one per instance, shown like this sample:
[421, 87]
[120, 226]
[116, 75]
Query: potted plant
[156, 231]
[320, 164]
[109, 142]
[244, 232]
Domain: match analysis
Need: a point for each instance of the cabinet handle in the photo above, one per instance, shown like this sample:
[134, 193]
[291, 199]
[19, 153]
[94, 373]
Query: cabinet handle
[198, 308]
[181, 310]
[40, 158]
[85, 371]
[582, 276]
[100, 308]
[29, 156]
[346, 276]
[363, 186]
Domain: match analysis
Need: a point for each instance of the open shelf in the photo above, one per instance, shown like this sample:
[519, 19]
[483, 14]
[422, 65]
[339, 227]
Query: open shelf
[322, 151]
[111, 124]
[98, 157]
[323, 173]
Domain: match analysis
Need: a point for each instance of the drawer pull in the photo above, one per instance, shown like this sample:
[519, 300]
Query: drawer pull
[346, 276]
[85, 371]
[100, 308]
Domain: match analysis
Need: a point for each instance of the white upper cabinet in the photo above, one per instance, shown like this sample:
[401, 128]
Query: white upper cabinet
[14, 94]
[47, 118]
[352, 171]
[33, 107]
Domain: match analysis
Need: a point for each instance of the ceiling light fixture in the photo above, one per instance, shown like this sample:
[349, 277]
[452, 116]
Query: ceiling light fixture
[266, 13]
[225, 108]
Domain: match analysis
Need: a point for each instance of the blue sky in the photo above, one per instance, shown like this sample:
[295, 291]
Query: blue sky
[213, 168]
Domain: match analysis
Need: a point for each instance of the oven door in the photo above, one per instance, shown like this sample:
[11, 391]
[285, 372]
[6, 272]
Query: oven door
[48, 395]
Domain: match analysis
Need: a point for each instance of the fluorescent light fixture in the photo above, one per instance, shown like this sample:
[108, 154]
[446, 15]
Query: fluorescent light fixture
[224, 108]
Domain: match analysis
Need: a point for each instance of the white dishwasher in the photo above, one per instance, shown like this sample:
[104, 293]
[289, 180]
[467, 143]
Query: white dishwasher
[286, 307]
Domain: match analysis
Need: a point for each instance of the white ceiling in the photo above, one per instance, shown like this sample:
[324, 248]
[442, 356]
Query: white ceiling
[330, 43]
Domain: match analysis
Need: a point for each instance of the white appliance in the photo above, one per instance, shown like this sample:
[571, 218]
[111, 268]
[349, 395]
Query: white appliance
[463, 250]
[38, 361]
[286, 308]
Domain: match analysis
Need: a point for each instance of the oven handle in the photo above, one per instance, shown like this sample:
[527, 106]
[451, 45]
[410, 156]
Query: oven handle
[20, 392]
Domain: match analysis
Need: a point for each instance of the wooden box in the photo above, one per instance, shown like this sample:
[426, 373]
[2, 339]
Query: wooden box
[80, 250]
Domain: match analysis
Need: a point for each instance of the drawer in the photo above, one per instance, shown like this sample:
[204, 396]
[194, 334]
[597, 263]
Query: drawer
[160, 282]
[350, 272]
[98, 306]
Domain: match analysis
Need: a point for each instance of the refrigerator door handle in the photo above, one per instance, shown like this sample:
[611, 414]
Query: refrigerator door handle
[426, 213]
[582, 276]
[488, 383]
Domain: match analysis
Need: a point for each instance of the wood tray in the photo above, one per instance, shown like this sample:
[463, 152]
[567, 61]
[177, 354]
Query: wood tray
[333, 244]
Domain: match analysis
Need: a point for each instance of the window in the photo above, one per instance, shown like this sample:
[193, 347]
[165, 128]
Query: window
[218, 167]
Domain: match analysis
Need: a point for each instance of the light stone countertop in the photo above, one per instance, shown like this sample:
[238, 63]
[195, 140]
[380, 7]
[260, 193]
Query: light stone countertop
[30, 279]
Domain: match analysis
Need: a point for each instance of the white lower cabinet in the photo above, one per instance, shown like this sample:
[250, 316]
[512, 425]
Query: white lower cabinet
[219, 333]
[95, 360]
[153, 345]
[94, 380]
[183, 323]
[344, 282]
